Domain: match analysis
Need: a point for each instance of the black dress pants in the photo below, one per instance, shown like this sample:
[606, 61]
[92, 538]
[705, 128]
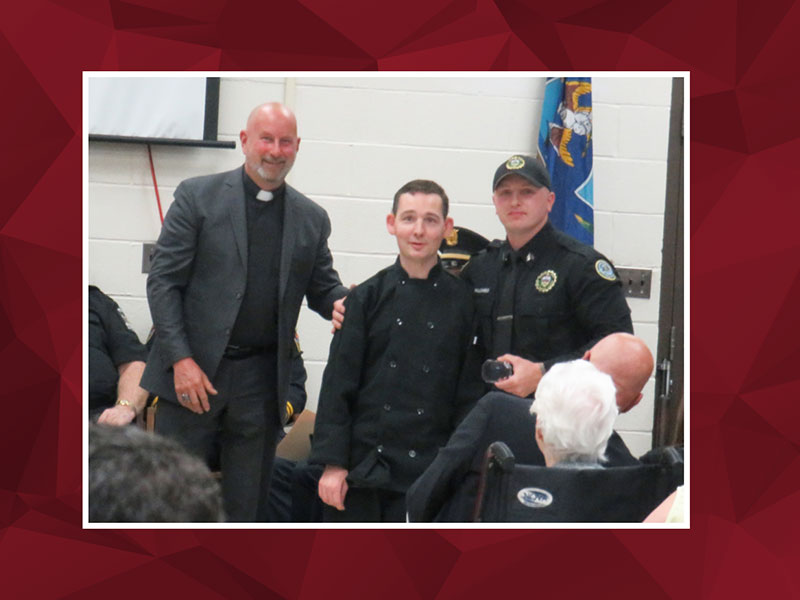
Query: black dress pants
[242, 426]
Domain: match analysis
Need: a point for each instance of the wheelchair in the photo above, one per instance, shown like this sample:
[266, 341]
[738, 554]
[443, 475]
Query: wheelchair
[515, 493]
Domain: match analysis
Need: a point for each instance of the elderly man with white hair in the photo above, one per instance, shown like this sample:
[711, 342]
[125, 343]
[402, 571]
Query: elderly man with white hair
[575, 409]
[448, 488]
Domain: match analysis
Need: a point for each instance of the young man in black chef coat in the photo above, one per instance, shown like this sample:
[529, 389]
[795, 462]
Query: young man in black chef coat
[390, 393]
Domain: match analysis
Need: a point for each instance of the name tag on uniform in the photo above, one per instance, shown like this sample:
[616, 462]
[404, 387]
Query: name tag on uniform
[482, 290]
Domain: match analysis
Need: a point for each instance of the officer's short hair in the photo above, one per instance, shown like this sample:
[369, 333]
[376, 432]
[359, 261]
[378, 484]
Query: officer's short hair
[135, 476]
[422, 186]
[575, 409]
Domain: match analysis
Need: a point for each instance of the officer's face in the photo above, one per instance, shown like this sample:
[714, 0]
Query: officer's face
[521, 206]
[419, 225]
[270, 145]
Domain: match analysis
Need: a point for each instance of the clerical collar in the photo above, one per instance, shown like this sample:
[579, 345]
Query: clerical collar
[253, 191]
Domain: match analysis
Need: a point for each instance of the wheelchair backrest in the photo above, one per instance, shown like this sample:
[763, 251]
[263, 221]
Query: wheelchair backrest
[578, 495]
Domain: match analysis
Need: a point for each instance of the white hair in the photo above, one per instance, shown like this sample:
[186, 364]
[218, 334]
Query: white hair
[575, 408]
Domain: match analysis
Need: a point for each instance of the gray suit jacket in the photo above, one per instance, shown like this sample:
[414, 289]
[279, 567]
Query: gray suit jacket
[199, 271]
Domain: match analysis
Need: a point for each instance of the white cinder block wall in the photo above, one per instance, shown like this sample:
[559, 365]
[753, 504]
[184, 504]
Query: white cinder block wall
[362, 138]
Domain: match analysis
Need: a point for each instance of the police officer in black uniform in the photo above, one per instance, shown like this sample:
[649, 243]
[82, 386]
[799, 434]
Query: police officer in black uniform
[116, 361]
[541, 297]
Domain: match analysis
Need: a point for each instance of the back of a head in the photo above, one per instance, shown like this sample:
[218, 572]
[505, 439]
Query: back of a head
[575, 410]
[135, 476]
[629, 362]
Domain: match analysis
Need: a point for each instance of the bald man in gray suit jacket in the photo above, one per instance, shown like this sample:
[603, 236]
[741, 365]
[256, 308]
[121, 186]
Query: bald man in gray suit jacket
[237, 253]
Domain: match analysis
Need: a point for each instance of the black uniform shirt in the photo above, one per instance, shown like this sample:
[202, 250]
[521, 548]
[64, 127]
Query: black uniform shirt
[389, 396]
[111, 343]
[567, 296]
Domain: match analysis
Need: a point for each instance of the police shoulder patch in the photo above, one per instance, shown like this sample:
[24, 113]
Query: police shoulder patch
[605, 270]
[546, 281]
[534, 497]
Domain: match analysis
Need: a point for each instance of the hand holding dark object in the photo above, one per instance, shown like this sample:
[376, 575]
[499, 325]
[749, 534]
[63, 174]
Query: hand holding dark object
[525, 378]
[495, 370]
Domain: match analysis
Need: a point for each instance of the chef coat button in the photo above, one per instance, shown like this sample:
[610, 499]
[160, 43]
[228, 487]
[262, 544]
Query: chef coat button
[393, 364]
[430, 324]
[420, 411]
[387, 407]
[426, 369]
[412, 453]
[399, 321]
[380, 449]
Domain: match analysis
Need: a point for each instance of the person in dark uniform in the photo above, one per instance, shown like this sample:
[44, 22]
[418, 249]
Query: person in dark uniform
[389, 396]
[459, 247]
[116, 362]
[541, 297]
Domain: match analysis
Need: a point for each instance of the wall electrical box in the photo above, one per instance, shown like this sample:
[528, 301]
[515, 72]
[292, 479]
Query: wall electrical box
[636, 282]
[147, 255]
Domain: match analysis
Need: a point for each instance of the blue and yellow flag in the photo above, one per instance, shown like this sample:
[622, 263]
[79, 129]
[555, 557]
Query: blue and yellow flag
[565, 145]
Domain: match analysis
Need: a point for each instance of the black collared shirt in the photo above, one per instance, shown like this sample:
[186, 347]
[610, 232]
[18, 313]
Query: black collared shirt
[257, 321]
[567, 296]
[390, 394]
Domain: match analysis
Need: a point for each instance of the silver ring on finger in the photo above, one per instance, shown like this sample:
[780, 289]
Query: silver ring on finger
[185, 397]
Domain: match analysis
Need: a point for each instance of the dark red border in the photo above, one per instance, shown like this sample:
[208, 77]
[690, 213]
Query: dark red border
[745, 293]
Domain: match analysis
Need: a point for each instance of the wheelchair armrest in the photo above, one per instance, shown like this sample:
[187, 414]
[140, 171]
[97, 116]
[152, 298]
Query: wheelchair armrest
[497, 455]
[500, 455]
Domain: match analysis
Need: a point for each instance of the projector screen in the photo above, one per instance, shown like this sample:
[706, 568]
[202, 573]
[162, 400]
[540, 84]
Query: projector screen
[181, 110]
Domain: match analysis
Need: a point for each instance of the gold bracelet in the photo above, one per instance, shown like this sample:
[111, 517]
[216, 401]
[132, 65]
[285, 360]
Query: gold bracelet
[126, 403]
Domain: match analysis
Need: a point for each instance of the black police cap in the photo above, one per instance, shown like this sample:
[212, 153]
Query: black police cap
[526, 167]
[461, 245]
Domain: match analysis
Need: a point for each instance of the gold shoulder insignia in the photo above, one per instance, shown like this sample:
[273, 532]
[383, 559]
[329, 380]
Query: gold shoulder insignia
[452, 239]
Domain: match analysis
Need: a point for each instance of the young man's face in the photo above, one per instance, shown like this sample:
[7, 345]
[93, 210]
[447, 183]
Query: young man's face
[521, 206]
[419, 225]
